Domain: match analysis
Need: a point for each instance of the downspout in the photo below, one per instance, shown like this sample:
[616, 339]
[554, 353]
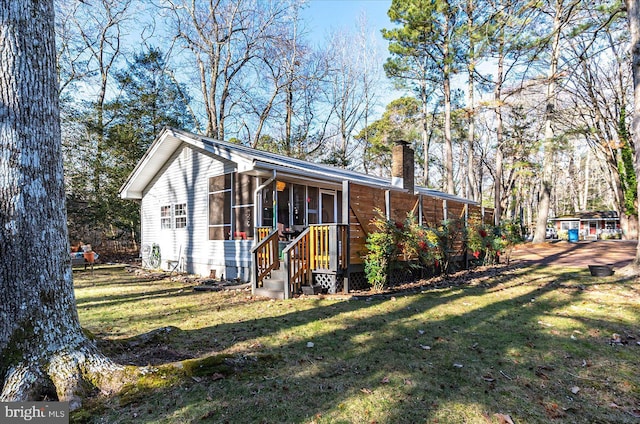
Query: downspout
[256, 198]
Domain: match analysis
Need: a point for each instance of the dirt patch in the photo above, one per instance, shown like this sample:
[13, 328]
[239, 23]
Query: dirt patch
[616, 253]
[152, 348]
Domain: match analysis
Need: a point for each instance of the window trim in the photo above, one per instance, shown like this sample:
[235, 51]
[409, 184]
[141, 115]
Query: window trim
[182, 216]
[224, 226]
[169, 221]
[165, 218]
[230, 230]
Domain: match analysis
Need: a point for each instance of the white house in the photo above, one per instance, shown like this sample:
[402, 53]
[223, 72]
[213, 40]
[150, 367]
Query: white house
[205, 204]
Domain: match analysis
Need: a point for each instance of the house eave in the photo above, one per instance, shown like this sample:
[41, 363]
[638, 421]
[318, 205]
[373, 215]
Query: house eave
[253, 162]
[148, 166]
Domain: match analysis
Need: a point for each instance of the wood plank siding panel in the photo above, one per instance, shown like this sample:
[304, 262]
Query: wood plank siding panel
[357, 240]
[401, 204]
[363, 203]
[475, 213]
[432, 211]
[456, 210]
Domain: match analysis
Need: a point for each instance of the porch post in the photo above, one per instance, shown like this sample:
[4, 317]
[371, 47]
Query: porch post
[387, 204]
[346, 211]
[287, 278]
[333, 246]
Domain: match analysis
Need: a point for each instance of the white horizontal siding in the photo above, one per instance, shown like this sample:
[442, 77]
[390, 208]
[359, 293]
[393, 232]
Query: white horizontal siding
[185, 179]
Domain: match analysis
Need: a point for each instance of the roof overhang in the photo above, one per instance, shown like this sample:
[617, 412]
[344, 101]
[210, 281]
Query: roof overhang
[166, 145]
[253, 162]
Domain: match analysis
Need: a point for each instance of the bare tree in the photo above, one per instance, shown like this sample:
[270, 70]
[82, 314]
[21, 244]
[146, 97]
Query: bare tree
[98, 31]
[42, 346]
[598, 93]
[351, 88]
[562, 13]
[223, 37]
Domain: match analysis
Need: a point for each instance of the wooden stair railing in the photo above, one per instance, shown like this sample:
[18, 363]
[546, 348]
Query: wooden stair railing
[296, 264]
[265, 257]
[319, 247]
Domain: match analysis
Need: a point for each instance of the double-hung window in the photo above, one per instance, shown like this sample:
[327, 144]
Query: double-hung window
[165, 217]
[173, 216]
[180, 215]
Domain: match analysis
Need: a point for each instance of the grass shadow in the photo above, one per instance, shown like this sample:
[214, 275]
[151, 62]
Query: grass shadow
[514, 342]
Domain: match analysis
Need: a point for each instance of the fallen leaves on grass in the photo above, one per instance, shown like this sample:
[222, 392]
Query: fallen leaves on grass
[540, 371]
[503, 418]
[553, 411]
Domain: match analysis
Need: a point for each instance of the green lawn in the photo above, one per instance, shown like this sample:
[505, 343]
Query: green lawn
[530, 343]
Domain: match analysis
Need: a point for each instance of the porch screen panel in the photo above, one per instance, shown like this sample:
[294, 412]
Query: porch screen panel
[312, 204]
[220, 207]
[267, 205]
[243, 218]
[244, 187]
[283, 204]
[299, 204]
[220, 183]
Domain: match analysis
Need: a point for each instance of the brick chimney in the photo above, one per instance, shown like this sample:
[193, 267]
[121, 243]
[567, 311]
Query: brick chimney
[402, 166]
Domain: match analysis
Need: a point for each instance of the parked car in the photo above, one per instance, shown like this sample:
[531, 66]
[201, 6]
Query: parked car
[551, 233]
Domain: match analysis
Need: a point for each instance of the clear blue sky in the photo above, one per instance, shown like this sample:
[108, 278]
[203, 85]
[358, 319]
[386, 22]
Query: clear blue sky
[322, 15]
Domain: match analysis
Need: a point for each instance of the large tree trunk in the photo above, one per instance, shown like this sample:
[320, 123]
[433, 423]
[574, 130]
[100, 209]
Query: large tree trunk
[472, 191]
[633, 16]
[497, 96]
[448, 146]
[42, 346]
[548, 166]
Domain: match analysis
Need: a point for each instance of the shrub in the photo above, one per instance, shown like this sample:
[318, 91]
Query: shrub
[477, 236]
[422, 244]
[384, 245]
[488, 242]
[394, 246]
[450, 242]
